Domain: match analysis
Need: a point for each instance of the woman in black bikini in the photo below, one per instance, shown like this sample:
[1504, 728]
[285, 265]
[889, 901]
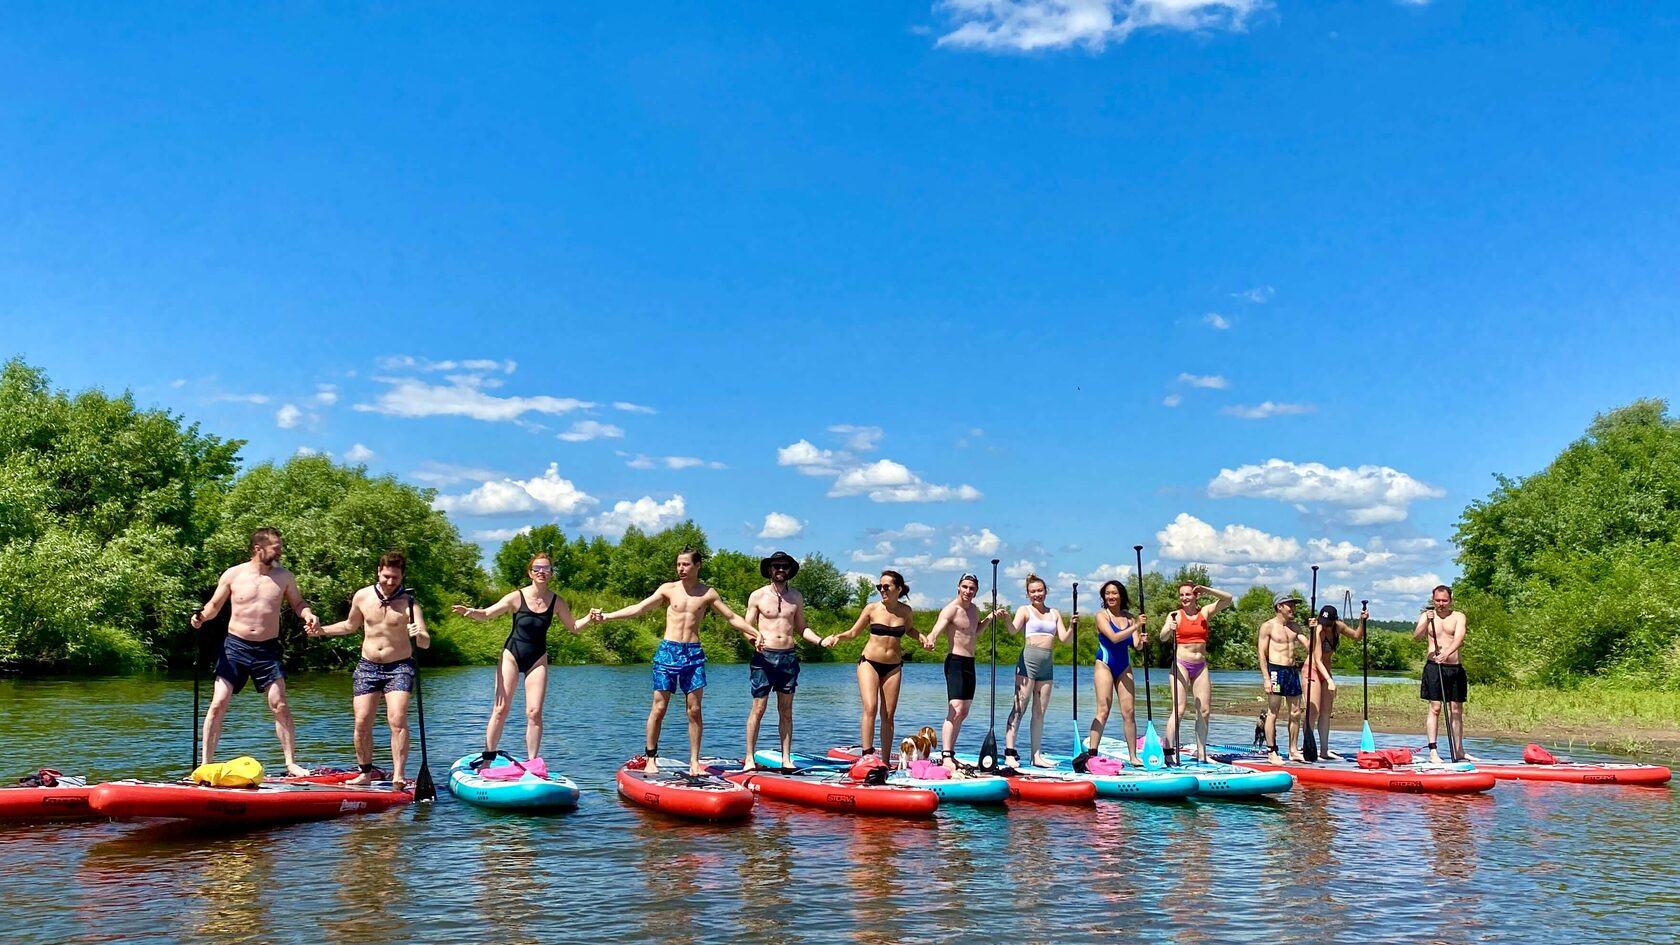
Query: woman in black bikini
[526, 651]
[880, 668]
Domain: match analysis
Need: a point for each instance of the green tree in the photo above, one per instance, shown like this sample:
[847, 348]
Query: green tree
[823, 584]
[735, 575]
[103, 512]
[1571, 572]
[642, 562]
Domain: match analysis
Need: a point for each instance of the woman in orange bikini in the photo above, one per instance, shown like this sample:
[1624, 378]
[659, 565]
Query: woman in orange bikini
[1188, 628]
[880, 668]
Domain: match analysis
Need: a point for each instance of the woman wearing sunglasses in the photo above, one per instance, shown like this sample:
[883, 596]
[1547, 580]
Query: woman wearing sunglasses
[880, 668]
[526, 651]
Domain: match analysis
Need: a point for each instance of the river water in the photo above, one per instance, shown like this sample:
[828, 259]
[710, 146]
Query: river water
[1526, 863]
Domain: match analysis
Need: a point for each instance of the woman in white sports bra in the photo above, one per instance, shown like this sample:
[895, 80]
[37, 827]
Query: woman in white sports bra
[1041, 629]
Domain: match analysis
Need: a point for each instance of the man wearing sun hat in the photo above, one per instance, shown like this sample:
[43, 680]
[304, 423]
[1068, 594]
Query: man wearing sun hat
[1280, 678]
[778, 611]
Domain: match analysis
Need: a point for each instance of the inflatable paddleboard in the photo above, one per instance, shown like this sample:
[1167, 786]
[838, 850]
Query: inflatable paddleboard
[680, 794]
[507, 785]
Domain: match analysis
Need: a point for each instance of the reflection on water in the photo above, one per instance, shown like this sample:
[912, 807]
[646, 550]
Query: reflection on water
[1316, 865]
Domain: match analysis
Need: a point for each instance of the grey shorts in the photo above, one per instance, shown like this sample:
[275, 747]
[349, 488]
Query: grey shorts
[1037, 663]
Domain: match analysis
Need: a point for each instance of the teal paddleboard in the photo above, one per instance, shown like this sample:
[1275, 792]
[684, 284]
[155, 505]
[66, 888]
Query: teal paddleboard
[526, 792]
[1217, 779]
[977, 790]
[1138, 783]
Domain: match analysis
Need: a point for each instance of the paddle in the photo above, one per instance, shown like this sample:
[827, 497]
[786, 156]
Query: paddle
[198, 670]
[1080, 749]
[1309, 742]
[1154, 757]
[1367, 742]
[988, 748]
[424, 789]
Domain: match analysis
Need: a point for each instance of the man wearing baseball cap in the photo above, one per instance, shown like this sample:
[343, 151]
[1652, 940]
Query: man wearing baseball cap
[1279, 677]
[778, 611]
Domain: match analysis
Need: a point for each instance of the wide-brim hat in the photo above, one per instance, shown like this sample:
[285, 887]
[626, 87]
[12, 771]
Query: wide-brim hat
[780, 557]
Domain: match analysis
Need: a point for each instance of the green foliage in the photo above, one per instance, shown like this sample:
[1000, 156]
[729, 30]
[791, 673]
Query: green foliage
[336, 521]
[512, 564]
[103, 513]
[735, 575]
[1572, 572]
[642, 562]
[822, 583]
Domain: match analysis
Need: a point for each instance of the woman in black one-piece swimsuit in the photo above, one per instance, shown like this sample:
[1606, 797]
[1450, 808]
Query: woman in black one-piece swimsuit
[526, 651]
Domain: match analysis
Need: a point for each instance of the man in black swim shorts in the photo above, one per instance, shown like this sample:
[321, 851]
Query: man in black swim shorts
[1443, 674]
[778, 611]
[393, 625]
[963, 620]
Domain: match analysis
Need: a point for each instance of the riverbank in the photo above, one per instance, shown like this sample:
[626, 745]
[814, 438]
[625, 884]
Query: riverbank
[1642, 724]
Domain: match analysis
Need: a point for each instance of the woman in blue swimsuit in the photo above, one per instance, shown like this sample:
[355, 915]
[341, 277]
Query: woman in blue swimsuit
[1118, 633]
[526, 651]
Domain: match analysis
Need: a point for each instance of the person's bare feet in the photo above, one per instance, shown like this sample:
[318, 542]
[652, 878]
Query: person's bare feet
[652, 765]
[1274, 757]
[1297, 756]
[1135, 761]
[399, 784]
[696, 769]
[365, 777]
[1434, 757]
[1039, 761]
[296, 770]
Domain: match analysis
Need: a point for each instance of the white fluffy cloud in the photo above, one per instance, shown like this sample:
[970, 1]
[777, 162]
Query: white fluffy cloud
[1030, 25]
[1206, 381]
[1216, 321]
[1020, 569]
[949, 564]
[1266, 409]
[888, 481]
[462, 396]
[1110, 572]
[912, 531]
[326, 394]
[408, 362]
[628, 407]
[1258, 295]
[779, 525]
[639, 461]
[547, 492]
[498, 534]
[883, 550]
[288, 416]
[808, 459]
[586, 430]
[1188, 538]
[1172, 400]
[644, 513]
[1370, 495]
[985, 543]
[445, 474]
[359, 454]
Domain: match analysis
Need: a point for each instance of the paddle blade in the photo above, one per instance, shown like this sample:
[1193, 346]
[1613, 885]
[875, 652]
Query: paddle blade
[1079, 739]
[1309, 745]
[424, 789]
[988, 752]
[1154, 758]
[1366, 741]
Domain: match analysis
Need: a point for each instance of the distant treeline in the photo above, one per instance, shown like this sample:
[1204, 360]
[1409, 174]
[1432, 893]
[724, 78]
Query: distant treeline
[115, 522]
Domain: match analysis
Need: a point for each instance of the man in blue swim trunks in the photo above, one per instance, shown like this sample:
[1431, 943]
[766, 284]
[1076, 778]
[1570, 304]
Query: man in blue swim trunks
[392, 626]
[1280, 678]
[255, 589]
[779, 613]
[679, 665]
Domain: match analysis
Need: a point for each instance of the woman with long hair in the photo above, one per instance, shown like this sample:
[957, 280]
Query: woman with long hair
[1119, 631]
[880, 670]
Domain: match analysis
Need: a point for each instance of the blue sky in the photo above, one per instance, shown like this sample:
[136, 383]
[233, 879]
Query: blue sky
[1258, 285]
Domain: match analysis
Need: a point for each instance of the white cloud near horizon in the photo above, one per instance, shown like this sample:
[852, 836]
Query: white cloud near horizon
[644, 513]
[359, 453]
[887, 481]
[1189, 539]
[408, 362]
[985, 543]
[548, 492]
[498, 534]
[1371, 495]
[1266, 409]
[1033, 25]
[779, 525]
[1409, 584]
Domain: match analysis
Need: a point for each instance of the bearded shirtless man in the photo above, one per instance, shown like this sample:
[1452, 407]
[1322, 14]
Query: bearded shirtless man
[963, 619]
[778, 611]
[251, 649]
[392, 627]
[1280, 678]
[680, 662]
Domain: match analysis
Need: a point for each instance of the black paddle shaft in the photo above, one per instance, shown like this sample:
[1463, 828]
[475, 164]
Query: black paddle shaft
[424, 790]
[1148, 702]
[198, 670]
[1365, 671]
[1076, 651]
[1309, 741]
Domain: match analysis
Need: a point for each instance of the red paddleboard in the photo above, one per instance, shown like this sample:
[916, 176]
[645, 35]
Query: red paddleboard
[836, 791]
[1407, 779]
[696, 797]
[1578, 772]
[64, 802]
[269, 801]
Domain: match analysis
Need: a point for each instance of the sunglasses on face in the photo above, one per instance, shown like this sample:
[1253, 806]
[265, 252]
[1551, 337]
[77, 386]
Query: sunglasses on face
[542, 570]
[883, 588]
